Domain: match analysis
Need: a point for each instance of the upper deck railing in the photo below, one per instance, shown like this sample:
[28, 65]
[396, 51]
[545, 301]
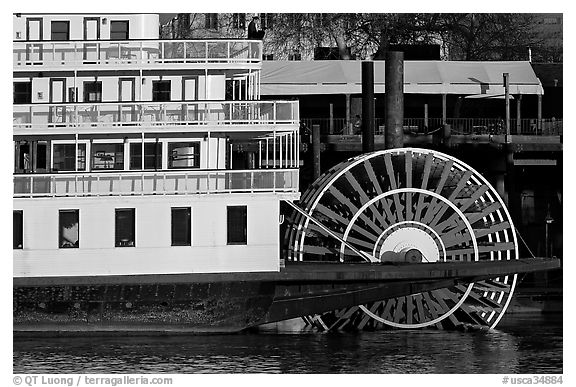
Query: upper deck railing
[154, 114]
[187, 182]
[134, 53]
[464, 126]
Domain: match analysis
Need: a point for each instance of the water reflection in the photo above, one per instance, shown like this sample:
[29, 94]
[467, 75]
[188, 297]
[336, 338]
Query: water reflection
[518, 346]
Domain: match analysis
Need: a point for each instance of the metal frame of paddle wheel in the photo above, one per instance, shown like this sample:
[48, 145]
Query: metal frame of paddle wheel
[407, 205]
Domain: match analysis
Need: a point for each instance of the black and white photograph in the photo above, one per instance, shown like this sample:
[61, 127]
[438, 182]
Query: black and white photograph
[372, 192]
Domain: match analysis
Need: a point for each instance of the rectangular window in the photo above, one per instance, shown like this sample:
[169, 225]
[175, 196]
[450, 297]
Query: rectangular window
[184, 155]
[181, 226]
[161, 91]
[267, 20]
[17, 229]
[69, 230]
[119, 30]
[108, 156]
[237, 225]
[41, 154]
[125, 227]
[93, 91]
[211, 21]
[63, 157]
[239, 20]
[22, 92]
[152, 155]
[60, 30]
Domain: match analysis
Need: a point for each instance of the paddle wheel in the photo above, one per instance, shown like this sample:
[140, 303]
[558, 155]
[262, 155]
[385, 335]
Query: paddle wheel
[407, 205]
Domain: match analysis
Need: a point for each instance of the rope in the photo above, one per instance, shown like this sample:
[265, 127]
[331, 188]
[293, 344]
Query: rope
[525, 244]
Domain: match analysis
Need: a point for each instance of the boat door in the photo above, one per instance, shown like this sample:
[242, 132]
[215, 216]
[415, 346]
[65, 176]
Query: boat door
[189, 93]
[32, 156]
[91, 32]
[34, 33]
[57, 100]
[127, 93]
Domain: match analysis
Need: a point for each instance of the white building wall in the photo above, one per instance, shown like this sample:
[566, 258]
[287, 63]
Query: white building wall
[153, 252]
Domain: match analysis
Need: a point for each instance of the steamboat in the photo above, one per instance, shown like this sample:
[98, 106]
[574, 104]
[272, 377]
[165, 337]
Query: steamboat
[154, 192]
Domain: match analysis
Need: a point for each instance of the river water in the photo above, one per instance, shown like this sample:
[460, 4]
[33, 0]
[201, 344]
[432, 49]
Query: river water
[525, 344]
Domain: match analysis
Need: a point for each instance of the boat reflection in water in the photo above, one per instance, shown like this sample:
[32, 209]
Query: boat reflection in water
[521, 344]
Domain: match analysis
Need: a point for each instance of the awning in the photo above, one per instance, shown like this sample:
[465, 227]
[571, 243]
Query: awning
[420, 77]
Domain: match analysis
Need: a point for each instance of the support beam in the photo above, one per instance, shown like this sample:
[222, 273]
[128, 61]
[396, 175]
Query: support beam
[331, 122]
[316, 150]
[348, 125]
[539, 113]
[444, 118]
[394, 89]
[518, 114]
[368, 106]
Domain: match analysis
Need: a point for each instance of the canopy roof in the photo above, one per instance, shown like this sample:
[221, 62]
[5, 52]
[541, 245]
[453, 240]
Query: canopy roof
[420, 77]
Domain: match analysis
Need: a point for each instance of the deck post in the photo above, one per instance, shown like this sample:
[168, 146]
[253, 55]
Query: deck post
[367, 106]
[331, 122]
[394, 90]
[444, 118]
[348, 126]
[539, 113]
[316, 150]
[518, 114]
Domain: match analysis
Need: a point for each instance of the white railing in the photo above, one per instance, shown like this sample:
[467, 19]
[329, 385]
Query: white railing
[155, 113]
[134, 52]
[155, 183]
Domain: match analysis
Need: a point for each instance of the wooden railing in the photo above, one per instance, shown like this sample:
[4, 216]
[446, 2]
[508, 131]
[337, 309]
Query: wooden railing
[80, 115]
[134, 52]
[188, 182]
[527, 126]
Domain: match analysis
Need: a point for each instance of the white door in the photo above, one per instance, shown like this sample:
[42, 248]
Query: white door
[34, 32]
[91, 32]
[57, 96]
[190, 93]
[126, 93]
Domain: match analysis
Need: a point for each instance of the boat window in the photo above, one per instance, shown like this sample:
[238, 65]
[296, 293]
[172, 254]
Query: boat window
[161, 91]
[63, 157]
[17, 229]
[181, 226]
[93, 91]
[237, 225]
[22, 92]
[60, 30]
[152, 155]
[108, 156]
[119, 30]
[69, 230]
[125, 227]
[184, 155]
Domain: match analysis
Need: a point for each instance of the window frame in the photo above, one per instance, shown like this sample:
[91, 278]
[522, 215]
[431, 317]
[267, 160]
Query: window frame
[188, 241]
[136, 165]
[116, 165]
[242, 221]
[20, 230]
[196, 144]
[27, 93]
[60, 227]
[86, 94]
[211, 21]
[157, 93]
[67, 32]
[118, 234]
[79, 160]
[118, 22]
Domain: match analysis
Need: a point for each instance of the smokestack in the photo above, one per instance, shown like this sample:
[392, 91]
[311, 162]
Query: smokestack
[368, 106]
[394, 88]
